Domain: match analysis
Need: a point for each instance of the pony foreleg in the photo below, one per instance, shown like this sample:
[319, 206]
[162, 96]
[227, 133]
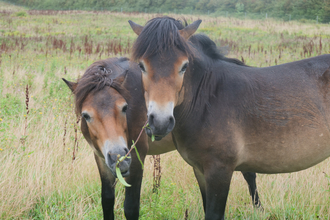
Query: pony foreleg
[217, 187]
[251, 181]
[132, 196]
[108, 191]
[201, 182]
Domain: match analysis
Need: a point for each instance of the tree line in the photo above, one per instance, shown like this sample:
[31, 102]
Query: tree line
[285, 9]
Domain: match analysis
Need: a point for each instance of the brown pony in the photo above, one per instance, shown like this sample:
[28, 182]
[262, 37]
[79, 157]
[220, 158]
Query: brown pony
[226, 116]
[110, 99]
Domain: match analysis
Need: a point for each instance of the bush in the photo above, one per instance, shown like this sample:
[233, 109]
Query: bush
[21, 14]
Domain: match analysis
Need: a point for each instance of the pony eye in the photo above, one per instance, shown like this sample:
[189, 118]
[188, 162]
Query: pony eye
[86, 116]
[142, 67]
[184, 68]
[124, 109]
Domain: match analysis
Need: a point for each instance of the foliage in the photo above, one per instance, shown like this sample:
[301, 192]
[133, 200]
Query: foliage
[21, 14]
[285, 9]
[239, 7]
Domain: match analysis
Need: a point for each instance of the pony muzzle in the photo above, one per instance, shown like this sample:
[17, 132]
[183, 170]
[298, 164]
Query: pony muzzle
[161, 120]
[112, 157]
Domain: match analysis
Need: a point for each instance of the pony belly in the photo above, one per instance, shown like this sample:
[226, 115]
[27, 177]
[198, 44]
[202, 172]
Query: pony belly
[283, 158]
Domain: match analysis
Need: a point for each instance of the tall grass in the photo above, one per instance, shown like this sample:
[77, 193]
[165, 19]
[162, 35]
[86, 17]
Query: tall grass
[39, 179]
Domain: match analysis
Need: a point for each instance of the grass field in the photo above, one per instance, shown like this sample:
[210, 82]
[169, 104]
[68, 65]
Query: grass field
[38, 177]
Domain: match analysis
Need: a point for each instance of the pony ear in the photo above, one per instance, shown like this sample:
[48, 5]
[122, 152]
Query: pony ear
[121, 79]
[136, 27]
[190, 29]
[119, 84]
[72, 85]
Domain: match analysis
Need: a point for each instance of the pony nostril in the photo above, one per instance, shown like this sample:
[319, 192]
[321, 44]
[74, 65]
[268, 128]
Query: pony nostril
[110, 158]
[151, 119]
[113, 158]
[171, 119]
[126, 151]
[171, 123]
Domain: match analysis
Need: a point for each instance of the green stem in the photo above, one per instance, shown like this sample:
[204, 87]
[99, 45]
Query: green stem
[133, 145]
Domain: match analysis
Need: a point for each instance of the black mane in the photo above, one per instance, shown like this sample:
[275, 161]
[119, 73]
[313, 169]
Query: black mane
[159, 35]
[98, 76]
[203, 43]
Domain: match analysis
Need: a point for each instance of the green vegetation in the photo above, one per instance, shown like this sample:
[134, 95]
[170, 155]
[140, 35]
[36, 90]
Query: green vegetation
[38, 177]
[284, 9]
[21, 14]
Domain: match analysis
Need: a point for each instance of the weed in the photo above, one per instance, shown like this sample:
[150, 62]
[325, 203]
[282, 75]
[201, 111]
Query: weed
[157, 174]
[21, 14]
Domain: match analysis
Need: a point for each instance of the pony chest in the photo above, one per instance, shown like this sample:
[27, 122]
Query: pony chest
[192, 152]
[184, 151]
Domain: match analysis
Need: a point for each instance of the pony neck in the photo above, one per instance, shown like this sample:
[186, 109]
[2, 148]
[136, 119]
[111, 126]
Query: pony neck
[205, 85]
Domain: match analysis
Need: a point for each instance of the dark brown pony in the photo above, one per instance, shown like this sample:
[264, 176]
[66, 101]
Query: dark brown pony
[109, 97]
[226, 116]
[113, 113]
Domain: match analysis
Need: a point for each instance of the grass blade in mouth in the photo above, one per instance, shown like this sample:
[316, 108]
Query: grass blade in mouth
[121, 178]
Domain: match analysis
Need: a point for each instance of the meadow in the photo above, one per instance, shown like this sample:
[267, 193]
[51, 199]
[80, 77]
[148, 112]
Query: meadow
[47, 170]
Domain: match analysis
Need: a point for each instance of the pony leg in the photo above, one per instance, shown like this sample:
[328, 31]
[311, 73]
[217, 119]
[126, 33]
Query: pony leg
[108, 192]
[251, 181]
[217, 187]
[132, 196]
[201, 182]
